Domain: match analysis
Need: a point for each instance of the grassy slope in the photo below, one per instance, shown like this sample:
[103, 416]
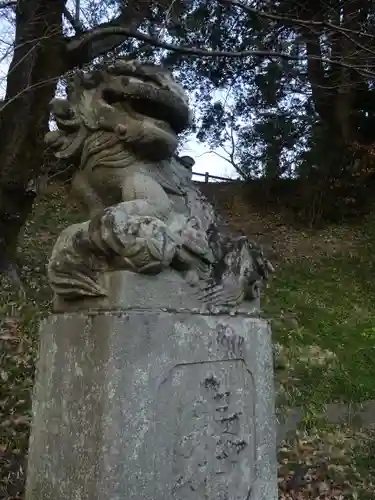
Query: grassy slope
[19, 322]
[322, 300]
[329, 303]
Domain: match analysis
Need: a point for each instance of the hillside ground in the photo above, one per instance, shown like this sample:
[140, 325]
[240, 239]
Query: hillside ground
[321, 301]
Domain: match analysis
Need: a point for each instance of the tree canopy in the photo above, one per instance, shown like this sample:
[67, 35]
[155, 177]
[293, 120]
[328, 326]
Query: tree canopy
[285, 89]
[299, 100]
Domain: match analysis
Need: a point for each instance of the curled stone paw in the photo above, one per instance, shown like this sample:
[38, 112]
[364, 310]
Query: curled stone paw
[115, 240]
[222, 294]
[146, 244]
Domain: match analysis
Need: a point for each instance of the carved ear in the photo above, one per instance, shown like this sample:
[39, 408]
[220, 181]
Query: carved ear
[61, 108]
[54, 139]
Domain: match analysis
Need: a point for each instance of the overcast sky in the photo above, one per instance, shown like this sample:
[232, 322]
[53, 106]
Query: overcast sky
[206, 161]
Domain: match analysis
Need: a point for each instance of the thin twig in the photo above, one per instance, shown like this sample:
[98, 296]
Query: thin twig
[96, 33]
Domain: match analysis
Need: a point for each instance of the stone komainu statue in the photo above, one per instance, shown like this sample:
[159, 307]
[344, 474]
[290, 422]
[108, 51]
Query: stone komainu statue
[121, 124]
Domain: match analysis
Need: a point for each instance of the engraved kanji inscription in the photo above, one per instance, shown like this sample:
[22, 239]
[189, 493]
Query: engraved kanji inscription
[213, 445]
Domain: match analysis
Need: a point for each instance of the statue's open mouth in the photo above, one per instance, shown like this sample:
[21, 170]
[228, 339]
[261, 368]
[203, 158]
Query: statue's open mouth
[149, 101]
[160, 111]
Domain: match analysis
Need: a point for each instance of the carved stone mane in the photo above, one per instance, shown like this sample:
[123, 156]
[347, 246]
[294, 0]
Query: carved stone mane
[121, 123]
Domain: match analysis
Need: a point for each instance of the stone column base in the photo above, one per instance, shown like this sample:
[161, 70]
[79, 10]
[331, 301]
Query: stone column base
[153, 404]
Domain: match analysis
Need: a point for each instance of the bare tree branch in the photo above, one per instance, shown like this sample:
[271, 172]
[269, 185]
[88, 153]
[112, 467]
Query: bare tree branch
[81, 49]
[78, 11]
[358, 44]
[295, 20]
[6, 5]
[74, 21]
[78, 44]
[5, 104]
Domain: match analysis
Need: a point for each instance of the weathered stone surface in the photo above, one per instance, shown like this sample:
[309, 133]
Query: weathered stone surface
[168, 291]
[155, 380]
[153, 403]
[121, 123]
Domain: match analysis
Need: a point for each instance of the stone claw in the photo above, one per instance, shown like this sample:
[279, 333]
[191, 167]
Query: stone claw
[228, 294]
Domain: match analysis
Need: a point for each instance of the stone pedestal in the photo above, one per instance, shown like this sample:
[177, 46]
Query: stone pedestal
[145, 396]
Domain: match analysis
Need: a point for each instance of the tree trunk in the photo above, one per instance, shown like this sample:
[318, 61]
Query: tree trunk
[31, 82]
[40, 59]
